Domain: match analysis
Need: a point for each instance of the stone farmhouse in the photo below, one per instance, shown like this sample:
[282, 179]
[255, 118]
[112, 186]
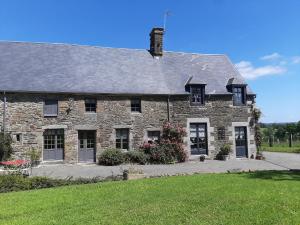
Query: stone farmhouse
[70, 102]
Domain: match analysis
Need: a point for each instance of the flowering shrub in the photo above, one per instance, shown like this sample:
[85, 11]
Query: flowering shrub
[159, 154]
[173, 135]
[170, 149]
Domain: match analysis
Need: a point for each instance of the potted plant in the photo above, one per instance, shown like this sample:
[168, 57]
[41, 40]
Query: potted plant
[202, 158]
[259, 155]
[34, 156]
[225, 150]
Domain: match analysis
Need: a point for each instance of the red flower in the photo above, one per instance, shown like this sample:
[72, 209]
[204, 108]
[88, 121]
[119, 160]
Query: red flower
[17, 162]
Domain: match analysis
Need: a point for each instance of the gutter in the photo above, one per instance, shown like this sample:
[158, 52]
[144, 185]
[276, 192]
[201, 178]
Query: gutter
[168, 107]
[4, 113]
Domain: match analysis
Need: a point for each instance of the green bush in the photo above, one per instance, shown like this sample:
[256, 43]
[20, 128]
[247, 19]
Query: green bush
[224, 150]
[5, 146]
[18, 182]
[111, 157]
[136, 157]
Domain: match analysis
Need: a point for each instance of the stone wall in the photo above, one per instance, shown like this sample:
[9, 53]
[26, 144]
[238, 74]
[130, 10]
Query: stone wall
[220, 112]
[25, 117]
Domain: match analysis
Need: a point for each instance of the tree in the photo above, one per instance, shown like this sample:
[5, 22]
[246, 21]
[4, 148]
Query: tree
[291, 128]
[280, 133]
[5, 146]
[270, 134]
[258, 133]
[298, 127]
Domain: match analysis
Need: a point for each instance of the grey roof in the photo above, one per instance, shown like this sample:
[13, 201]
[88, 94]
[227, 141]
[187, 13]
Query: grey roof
[235, 81]
[66, 68]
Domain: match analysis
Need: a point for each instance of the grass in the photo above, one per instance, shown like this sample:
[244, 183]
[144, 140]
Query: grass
[282, 147]
[247, 198]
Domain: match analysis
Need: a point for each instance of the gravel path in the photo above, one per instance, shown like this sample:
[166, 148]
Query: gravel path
[209, 166]
[286, 160]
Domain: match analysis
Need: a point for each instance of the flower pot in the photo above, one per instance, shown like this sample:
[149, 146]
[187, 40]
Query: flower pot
[225, 157]
[35, 163]
[259, 157]
[202, 158]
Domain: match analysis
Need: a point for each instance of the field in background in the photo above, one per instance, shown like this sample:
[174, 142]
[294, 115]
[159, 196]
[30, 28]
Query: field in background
[282, 147]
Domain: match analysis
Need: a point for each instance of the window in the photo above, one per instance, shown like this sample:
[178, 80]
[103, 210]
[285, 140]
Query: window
[198, 138]
[86, 139]
[122, 138]
[153, 137]
[18, 138]
[90, 105]
[54, 139]
[221, 133]
[238, 95]
[136, 105]
[197, 95]
[50, 108]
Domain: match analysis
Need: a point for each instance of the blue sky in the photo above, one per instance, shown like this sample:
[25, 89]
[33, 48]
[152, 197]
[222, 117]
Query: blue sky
[262, 37]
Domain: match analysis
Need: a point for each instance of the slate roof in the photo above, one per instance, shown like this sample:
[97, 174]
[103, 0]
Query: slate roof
[66, 68]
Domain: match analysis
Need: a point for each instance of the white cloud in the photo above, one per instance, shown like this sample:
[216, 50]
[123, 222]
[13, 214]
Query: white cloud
[296, 60]
[273, 56]
[250, 72]
[283, 62]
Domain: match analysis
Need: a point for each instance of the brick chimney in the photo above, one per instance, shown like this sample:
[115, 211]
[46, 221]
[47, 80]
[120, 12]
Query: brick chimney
[156, 41]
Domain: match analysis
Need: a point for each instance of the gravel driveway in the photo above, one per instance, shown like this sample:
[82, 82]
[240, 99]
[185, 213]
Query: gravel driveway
[286, 160]
[209, 166]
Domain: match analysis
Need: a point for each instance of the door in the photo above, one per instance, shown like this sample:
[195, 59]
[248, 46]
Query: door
[198, 138]
[53, 145]
[241, 141]
[87, 146]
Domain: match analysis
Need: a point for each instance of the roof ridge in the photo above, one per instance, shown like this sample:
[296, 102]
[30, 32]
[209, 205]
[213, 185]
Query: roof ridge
[105, 47]
[68, 44]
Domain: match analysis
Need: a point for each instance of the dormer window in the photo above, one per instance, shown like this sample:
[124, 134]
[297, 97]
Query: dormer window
[238, 90]
[197, 94]
[239, 95]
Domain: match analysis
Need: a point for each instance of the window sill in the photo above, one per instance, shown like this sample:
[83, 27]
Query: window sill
[237, 106]
[197, 105]
[50, 116]
[124, 150]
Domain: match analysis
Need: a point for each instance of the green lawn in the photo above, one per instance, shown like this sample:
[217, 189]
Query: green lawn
[253, 198]
[282, 148]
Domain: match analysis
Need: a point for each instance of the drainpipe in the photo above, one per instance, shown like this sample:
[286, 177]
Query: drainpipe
[4, 113]
[168, 107]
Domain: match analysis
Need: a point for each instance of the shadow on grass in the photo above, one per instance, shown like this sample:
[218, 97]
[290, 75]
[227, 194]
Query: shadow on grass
[292, 175]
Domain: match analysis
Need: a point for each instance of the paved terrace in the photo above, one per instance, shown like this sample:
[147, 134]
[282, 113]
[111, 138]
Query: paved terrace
[274, 161]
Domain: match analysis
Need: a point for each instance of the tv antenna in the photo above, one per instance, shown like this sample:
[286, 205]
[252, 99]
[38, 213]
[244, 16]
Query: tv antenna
[166, 14]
